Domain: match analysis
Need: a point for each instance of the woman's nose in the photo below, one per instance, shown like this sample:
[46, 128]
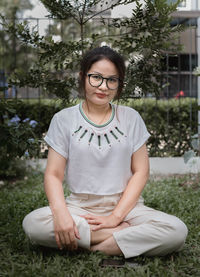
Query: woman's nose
[103, 84]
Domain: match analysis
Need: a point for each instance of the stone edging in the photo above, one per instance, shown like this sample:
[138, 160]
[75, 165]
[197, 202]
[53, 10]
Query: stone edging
[162, 166]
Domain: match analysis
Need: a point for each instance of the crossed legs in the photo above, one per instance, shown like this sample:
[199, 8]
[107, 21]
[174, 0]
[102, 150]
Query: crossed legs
[104, 241]
[148, 232]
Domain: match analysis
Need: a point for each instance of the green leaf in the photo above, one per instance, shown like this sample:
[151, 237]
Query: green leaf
[195, 143]
[188, 155]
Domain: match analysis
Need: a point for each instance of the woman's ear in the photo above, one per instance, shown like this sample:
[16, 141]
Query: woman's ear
[80, 75]
[81, 85]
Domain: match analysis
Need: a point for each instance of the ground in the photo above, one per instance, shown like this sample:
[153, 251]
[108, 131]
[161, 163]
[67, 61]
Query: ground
[178, 195]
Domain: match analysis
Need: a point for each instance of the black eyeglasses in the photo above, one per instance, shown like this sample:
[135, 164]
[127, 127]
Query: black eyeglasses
[96, 80]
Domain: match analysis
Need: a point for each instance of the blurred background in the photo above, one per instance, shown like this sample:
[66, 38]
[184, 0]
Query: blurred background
[177, 68]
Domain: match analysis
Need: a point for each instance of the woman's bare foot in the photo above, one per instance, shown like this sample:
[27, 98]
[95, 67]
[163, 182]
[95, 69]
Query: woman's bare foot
[108, 246]
[123, 225]
[103, 234]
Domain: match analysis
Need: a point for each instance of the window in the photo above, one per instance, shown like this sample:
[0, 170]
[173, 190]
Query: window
[181, 62]
[184, 5]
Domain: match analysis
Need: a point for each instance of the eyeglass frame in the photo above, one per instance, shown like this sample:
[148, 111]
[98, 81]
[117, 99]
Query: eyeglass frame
[102, 79]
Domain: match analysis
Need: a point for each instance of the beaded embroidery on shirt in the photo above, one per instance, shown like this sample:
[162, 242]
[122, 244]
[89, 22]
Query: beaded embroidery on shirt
[92, 135]
[116, 133]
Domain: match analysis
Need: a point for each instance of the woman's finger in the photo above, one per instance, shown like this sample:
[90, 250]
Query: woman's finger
[58, 241]
[88, 216]
[97, 227]
[76, 232]
[93, 218]
[73, 243]
[94, 221]
[64, 238]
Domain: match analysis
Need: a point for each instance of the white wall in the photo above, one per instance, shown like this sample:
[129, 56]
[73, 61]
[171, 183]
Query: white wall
[163, 166]
[124, 10]
[195, 5]
[191, 5]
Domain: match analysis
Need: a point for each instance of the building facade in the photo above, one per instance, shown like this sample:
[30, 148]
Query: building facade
[179, 68]
[188, 13]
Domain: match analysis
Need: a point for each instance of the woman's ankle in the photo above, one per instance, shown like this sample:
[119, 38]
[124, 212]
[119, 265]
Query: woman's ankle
[103, 234]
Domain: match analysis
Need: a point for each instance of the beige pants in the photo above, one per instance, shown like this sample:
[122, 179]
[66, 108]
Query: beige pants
[151, 232]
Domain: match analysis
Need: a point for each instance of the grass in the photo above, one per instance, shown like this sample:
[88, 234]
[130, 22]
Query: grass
[178, 195]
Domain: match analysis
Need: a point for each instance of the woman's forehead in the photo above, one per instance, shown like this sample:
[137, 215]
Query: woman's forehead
[104, 67]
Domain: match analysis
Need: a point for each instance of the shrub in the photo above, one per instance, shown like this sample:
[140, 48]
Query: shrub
[23, 125]
[22, 128]
[18, 139]
[171, 124]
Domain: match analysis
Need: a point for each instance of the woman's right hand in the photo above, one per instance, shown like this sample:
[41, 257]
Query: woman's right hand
[65, 229]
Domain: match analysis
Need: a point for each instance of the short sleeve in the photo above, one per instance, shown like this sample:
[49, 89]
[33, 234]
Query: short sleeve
[140, 133]
[56, 137]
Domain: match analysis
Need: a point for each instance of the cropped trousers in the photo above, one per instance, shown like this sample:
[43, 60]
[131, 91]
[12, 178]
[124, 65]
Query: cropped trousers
[151, 232]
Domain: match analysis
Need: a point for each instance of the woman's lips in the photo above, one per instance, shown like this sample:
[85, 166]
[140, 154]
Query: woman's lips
[101, 95]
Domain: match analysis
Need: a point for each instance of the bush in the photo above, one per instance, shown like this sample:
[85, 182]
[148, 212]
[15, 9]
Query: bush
[171, 124]
[22, 127]
[18, 139]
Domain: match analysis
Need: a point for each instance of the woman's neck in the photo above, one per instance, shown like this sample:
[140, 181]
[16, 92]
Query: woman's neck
[99, 114]
[96, 109]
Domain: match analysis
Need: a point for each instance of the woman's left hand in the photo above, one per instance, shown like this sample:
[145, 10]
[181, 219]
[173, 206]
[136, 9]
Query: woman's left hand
[101, 222]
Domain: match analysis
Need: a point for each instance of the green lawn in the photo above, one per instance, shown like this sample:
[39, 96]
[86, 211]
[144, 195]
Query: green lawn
[178, 195]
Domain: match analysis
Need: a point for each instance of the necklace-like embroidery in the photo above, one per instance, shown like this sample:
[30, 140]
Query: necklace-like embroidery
[99, 137]
[94, 124]
[115, 132]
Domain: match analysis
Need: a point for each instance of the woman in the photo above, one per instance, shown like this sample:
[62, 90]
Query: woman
[102, 148]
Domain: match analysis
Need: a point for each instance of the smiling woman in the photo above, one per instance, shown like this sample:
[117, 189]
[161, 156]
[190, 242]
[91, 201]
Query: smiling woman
[107, 167]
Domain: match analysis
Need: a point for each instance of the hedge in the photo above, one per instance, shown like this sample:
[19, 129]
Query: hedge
[170, 122]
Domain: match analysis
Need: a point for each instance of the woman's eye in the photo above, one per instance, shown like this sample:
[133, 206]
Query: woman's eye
[96, 77]
[112, 80]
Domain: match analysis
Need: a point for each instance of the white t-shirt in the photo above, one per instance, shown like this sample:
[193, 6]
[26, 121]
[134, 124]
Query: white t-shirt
[98, 156]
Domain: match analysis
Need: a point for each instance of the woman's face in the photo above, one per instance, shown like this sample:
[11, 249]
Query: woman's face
[101, 95]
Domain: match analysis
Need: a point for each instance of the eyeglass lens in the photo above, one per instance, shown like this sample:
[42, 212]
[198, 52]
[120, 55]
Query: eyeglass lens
[96, 80]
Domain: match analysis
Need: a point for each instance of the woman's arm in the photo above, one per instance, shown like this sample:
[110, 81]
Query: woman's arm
[136, 184]
[64, 226]
[140, 169]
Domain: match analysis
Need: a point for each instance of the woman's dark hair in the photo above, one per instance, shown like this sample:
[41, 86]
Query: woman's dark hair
[96, 55]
